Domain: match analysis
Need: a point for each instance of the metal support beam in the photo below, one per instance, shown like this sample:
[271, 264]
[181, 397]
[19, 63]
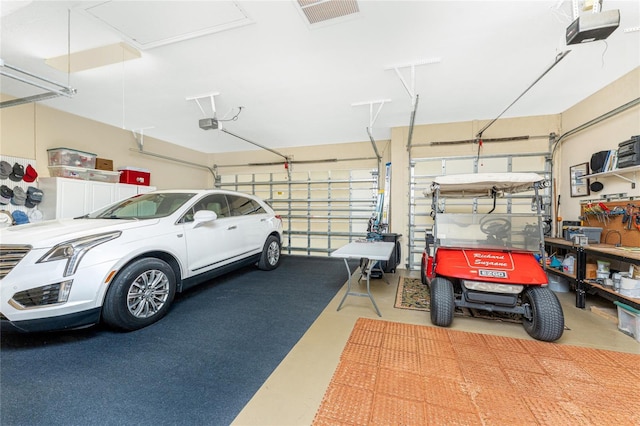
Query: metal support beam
[52, 88]
[558, 58]
[372, 119]
[412, 122]
[257, 144]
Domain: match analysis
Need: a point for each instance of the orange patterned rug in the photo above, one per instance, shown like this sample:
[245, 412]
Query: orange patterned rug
[401, 374]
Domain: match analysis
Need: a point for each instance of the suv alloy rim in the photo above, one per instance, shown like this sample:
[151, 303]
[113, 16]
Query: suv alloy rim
[148, 294]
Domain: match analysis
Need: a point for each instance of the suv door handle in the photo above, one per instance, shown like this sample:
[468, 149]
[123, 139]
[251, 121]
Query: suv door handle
[231, 227]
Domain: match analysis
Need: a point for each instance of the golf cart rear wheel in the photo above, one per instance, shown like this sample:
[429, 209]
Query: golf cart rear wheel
[423, 272]
[547, 318]
[442, 302]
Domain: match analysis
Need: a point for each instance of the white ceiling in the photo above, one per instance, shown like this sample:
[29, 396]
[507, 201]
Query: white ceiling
[297, 83]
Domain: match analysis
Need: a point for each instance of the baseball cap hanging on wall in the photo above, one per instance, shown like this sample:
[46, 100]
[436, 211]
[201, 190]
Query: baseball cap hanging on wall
[596, 186]
[19, 217]
[5, 169]
[17, 173]
[30, 174]
[5, 194]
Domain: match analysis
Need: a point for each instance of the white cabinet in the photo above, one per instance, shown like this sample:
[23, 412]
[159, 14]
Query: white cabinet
[66, 198]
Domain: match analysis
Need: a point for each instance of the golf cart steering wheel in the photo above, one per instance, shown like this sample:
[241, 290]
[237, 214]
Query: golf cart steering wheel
[498, 227]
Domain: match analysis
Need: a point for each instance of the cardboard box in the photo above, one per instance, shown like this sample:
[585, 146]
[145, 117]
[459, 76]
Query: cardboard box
[104, 164]
[591, 271]
[135, 176]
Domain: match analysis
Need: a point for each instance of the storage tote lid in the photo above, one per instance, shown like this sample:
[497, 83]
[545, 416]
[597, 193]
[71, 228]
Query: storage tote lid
[71, 149]
[134, 169]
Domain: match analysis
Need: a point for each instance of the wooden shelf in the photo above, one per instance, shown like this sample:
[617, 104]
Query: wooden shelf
[612, 292]
[587, 286]
[560, 273]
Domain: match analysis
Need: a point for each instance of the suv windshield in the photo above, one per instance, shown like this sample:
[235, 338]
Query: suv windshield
[143, 206]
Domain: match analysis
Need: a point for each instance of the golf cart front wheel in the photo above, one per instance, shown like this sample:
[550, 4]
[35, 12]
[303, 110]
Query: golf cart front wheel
[442, 302]
[547, 319]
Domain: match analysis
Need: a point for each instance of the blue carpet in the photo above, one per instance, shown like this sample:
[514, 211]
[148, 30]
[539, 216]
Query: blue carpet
[200, 365]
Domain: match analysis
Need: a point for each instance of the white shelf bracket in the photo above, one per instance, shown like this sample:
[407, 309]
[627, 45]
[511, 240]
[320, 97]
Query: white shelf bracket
[138, 135]
[211, 97]
[631, 181]
[373, 117]
[410, 87]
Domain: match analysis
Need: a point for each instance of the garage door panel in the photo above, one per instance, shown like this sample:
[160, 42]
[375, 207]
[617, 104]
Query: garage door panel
[493, 165]
[423, 170]
[321, 209]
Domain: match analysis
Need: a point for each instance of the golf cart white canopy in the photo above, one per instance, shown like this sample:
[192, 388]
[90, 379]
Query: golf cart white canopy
[482, 184]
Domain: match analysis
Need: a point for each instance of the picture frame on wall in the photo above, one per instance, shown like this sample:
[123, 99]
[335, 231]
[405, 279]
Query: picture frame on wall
[579, 184]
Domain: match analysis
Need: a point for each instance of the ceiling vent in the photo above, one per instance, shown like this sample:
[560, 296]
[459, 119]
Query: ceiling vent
[327, 11]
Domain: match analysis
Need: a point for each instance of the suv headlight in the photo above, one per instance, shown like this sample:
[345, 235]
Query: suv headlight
[74, 250]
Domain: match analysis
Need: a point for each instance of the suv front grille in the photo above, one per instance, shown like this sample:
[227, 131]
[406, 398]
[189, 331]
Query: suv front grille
[10, 256]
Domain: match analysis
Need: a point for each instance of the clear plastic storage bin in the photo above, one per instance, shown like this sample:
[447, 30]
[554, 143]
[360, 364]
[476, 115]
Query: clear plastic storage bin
[71, 157]
[69, 172]
[104, 176]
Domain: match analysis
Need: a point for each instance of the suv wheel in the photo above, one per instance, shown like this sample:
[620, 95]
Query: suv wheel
[140, 295]
[270, 258]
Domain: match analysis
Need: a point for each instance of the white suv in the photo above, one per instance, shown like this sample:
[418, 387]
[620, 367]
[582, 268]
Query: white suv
[124, 263]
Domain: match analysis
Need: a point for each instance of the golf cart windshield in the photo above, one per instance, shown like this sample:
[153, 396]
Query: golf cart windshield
[488, 231]
[478, 224]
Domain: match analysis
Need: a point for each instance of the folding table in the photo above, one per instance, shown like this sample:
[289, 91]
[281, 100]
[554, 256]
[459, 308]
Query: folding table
[370, 252]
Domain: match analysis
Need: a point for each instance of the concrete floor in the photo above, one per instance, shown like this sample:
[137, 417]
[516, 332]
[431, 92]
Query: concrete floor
[293, 392]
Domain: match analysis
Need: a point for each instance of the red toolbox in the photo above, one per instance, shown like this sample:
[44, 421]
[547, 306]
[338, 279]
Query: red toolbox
[135, 176]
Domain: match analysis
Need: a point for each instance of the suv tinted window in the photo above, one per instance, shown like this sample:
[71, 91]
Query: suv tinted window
[241, 206]
[216, 203]
[144, 206]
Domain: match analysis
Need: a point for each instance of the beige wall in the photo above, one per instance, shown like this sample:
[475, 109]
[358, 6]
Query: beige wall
[603, 136]
[29, 130]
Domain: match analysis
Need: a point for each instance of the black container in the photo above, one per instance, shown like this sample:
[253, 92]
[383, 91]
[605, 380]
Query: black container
[391, 264]
[629, 147]
[628, 160]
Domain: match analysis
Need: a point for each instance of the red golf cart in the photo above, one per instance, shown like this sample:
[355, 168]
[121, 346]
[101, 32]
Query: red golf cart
[485, 260]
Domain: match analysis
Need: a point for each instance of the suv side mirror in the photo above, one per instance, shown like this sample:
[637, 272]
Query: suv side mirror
[203, 216]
